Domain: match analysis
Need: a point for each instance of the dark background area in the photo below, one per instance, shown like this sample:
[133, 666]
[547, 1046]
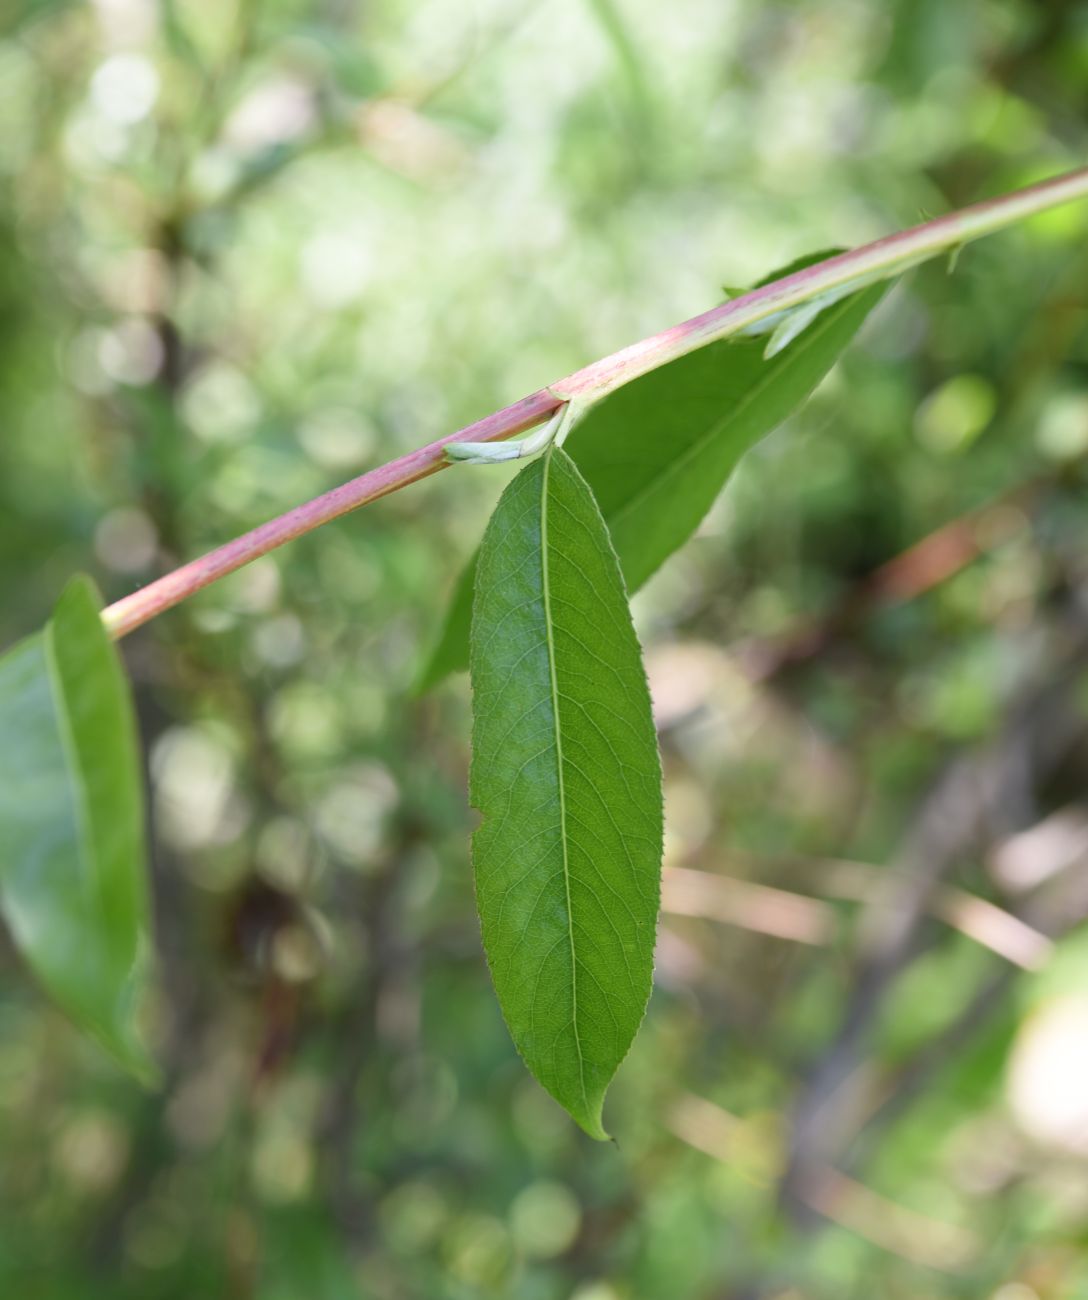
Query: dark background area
[248, 250]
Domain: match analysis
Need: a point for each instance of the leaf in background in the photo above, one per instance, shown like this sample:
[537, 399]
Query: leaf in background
[658, 451]
[565, 773]
[450, 654]
[72, 884]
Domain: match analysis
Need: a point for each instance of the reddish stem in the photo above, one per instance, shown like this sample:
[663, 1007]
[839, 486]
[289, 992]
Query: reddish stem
[884, 257]
[132, 611]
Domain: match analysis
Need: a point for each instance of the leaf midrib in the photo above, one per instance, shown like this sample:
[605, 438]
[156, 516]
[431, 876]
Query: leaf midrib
[554, 687]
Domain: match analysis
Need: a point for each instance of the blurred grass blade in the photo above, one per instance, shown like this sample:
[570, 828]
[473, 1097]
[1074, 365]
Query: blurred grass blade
[72, 884]
[178, 40]
[658, 451]
[565, 773]
[614, 27]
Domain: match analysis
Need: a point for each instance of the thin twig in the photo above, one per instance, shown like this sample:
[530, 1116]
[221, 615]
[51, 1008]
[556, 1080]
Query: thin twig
[884, 258]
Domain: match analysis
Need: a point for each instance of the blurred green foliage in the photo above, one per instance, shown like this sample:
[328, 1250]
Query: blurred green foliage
[249, 249]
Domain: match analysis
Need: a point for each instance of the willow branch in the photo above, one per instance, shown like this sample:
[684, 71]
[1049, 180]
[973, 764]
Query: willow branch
[884, 258]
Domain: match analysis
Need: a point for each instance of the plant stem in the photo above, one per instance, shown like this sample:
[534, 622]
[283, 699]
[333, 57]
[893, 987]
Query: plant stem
[886, 257]
[132, 611]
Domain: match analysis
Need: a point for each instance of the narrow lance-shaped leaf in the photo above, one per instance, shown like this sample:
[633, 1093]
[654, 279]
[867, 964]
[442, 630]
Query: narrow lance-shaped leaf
[565, 773]
[658, 451]
[72, 884]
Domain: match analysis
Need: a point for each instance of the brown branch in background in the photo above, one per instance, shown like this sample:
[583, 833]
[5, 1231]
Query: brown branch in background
[979, 799]
[833, 1195]
[1058, 905]
[761, 908]
[927, 564]
[1052, 911]
[979, 919]
[950, 548]
[784, 914]
[916, 1237]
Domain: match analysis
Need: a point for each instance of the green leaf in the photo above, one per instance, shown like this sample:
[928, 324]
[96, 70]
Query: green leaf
[450, 654]
[658, 451]
[565, 773]
[72, 883]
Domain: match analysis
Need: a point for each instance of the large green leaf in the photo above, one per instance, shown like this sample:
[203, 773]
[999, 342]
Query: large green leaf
[659, 450]
[565, 773]
[72, 883]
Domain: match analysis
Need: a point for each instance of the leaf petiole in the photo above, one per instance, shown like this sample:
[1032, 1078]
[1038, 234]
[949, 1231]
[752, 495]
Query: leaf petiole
[554, 433]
